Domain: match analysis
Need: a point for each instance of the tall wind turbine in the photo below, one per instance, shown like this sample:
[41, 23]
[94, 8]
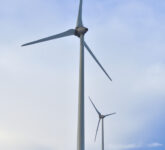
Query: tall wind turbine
[101, 118]
[79, 31]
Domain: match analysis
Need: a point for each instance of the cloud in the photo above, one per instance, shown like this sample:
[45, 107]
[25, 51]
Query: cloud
[125, 146]
[134, 146]
[155, 144]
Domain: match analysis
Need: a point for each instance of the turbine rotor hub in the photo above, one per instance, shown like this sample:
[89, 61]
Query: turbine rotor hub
[80, 31]
[102, 116]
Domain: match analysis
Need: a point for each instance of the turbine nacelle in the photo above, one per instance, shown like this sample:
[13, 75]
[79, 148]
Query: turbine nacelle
[80, 31]
[102, 116]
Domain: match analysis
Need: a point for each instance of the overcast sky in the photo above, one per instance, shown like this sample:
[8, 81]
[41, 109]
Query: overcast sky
[39, 83]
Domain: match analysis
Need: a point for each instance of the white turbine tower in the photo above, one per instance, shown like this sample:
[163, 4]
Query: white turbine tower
[101, 117]
[79, 31]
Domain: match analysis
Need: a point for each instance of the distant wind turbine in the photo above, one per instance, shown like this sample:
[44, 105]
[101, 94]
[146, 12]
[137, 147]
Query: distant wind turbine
[101, 118]
[79, 31]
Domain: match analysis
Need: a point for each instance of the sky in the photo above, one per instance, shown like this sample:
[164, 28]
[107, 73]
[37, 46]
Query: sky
[39, 83]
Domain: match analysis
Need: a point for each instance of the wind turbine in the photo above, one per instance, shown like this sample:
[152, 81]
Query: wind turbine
[101, 118]
[79, 31]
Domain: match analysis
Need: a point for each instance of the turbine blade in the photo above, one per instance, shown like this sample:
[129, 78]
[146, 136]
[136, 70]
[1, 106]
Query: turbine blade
[63, 34]
[97, 128]
[95, 107]
[87, 47]
[110, 114]
[79, 18]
